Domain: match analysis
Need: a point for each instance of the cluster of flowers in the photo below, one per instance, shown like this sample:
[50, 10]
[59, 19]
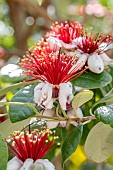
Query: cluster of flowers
[66, 52]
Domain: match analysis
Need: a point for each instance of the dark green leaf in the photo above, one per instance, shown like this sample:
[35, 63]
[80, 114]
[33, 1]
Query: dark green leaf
[92, 80]
[71, 142]
[3, 153]
[18, 113]
[105, 114]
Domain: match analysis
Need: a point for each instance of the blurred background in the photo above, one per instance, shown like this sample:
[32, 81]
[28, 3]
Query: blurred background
[25, 22]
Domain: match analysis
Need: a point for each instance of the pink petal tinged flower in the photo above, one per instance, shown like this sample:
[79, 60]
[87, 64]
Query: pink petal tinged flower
[95, 63]
[65, 94]
[15, 164]
[47, 165]
[43, 95]
[105, 59]
[50, 113]
[28, 164]
[54, 43]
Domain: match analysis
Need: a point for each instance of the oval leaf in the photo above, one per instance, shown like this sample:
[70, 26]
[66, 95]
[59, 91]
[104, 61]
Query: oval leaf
[81, 98]
[71, 142]
[99, 143]
[105, 114]
[18, 113]
[92, 80]
[3, 153]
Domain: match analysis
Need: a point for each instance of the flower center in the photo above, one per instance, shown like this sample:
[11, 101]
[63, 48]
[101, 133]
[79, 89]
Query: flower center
[55, 91]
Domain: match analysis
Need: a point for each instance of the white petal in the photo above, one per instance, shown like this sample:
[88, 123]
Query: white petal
[78, 89]
[110, 46]
[80, 62]
[28, 164]
[95, 63]
[105, 46]
[38, 93]
[105, 59]
[65, 94]
[71, 114]
[14, 164]
[47, 93]
[50, 113]
[47, 165]
[77, 40]
[50, 104]
[39, 167]
[43, 95]
[54, 43]
[68, 46]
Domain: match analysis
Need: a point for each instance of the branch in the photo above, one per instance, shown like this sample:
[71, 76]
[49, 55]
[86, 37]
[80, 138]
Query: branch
[33, 9]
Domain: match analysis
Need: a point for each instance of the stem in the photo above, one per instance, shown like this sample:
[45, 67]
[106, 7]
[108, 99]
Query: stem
[99, 166]
[64, 113]
[32, 105]
[103, 91]
[109, 92]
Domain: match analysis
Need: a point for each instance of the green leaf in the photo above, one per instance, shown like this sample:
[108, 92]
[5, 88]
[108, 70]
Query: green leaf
[18, 113]
[71, 142]
[99, 143]
[3, 153]
[92, 80]
[15, 86]
[81, 98]
[7, 127]
[105, 114]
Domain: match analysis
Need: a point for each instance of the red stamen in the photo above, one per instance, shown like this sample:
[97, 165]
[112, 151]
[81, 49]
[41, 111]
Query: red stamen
[34, 145]
[91, 43]
[66, 31]
[50, 67]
